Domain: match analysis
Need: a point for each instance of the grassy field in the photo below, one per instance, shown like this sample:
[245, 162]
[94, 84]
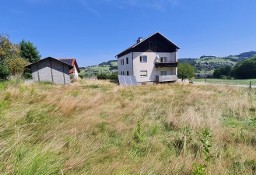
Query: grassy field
[226, 81]
[214, 60]
[96, 127]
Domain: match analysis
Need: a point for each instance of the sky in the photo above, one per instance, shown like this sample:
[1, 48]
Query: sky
[94, 31]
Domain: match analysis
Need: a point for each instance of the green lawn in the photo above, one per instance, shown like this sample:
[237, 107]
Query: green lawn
[229, 82]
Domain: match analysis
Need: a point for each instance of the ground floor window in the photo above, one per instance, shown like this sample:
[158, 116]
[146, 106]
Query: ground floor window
[163, 72]
[143, 73]
[127, 72]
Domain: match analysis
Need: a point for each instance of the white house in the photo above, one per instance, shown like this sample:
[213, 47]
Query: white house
[75, 68]
[153, 59]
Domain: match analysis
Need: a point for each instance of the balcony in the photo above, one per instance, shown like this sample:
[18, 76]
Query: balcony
[166, 78]
[159, 64]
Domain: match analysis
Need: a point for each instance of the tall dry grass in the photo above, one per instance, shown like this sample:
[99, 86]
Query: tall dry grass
[96, 127]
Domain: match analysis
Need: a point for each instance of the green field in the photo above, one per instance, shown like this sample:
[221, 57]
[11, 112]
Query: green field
[214, 60]
[226, 81]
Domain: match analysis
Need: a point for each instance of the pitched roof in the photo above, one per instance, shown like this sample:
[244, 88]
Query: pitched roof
[70, 66]
[70, 61]
[154, 43]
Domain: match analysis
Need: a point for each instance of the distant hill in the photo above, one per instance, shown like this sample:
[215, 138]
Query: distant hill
[108, 67]
[207, 64]
[242, 56]
[112, 63]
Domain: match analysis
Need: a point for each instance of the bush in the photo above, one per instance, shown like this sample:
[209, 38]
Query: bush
[108, 76]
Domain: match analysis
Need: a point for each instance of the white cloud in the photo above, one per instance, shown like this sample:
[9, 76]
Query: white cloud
[157, 5]
[88, 7]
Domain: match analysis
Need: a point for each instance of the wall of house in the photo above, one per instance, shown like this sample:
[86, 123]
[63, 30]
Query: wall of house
[75, 74]
[50, 71]
[126, 67]
[152, 71]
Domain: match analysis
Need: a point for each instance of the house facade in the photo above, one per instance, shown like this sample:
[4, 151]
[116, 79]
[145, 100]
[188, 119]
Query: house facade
[153, 59]
[50, 70]
[74, 72]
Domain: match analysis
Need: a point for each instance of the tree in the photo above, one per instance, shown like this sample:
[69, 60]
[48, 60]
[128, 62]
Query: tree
[29, 52]
[245, 69]
[7, 48]
[185, 71]
[222, 72]
[8, 51]
[16, 66]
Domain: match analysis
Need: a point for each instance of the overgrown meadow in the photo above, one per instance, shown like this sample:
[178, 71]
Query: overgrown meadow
[96, 127]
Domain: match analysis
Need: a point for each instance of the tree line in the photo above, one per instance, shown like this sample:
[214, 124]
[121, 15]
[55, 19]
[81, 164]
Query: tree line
[14, 57]
[243, 70]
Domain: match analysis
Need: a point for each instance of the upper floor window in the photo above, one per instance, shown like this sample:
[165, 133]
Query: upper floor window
[143, 59]
[122, 62]
[127, 72]
[127, 60]
[163, 59]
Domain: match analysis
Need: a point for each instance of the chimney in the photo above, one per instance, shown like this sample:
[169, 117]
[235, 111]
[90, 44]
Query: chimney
[139, 40]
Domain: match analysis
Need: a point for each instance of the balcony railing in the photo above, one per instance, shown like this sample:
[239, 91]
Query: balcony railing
[166, 78]
[173, 64]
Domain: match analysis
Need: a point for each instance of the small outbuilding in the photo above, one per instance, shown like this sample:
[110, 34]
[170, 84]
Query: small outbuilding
[51, 70]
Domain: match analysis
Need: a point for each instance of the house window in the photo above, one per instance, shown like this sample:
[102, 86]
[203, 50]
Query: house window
[127, 72]
[163, 59]
[122, 62]
[163, 72]
[127, 60]
[143, 59]
[143, 73]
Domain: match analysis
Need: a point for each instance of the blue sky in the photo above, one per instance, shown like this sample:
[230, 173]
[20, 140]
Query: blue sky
[94, 31]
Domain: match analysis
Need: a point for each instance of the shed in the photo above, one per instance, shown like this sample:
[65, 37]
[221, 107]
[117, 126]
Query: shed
[50, 70]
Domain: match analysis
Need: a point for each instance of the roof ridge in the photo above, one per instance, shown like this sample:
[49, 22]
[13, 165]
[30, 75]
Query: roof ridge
[136, 44]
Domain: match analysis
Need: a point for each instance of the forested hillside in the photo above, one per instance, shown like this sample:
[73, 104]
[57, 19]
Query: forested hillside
[205, 65]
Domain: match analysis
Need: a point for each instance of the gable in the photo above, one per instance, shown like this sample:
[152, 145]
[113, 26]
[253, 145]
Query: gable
[154, 43]
[72, 62]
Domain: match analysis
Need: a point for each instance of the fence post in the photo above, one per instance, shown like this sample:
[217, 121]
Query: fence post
[250, 86]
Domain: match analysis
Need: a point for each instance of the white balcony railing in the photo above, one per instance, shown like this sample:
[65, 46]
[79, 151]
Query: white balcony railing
[166, 78]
